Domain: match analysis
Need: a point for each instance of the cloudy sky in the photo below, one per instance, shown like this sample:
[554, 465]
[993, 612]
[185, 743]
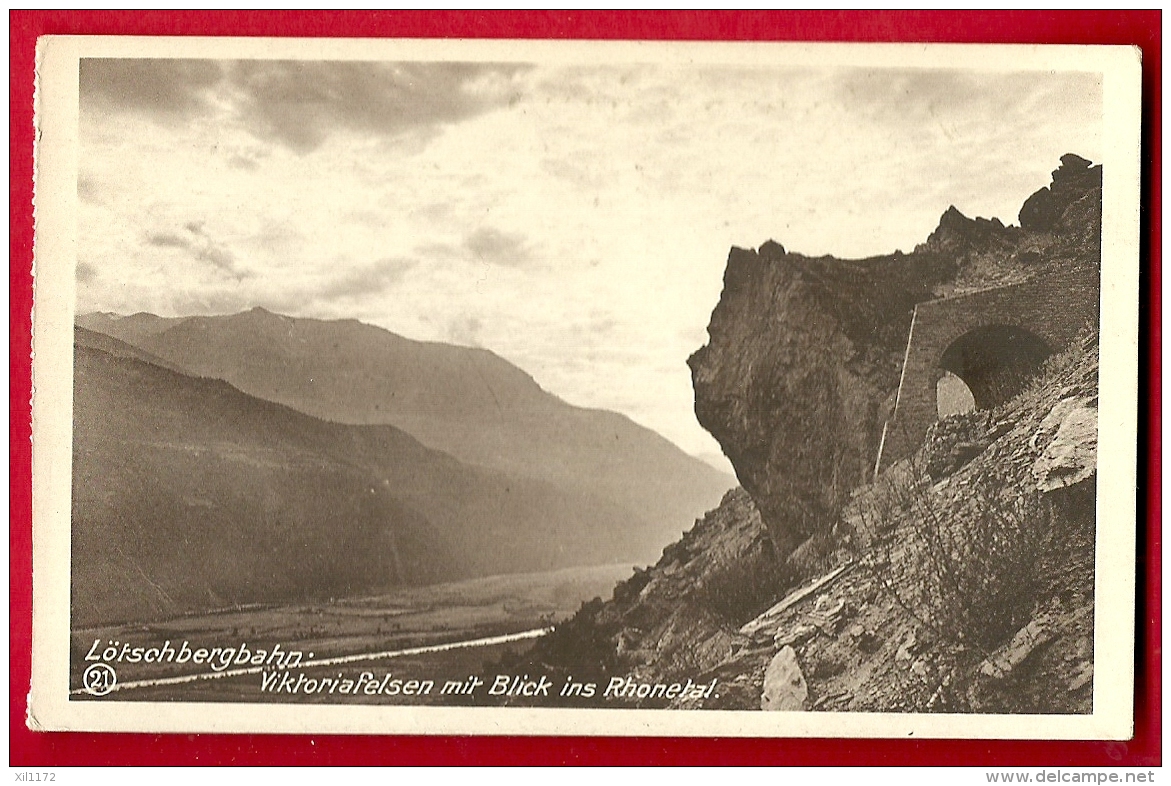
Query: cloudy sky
[575, 220]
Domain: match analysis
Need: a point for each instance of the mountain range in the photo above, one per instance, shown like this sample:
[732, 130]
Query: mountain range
[257, 457]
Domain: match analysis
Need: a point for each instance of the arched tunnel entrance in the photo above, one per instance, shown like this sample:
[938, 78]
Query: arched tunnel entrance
[952, 396]
[985, 345]
[994, 362]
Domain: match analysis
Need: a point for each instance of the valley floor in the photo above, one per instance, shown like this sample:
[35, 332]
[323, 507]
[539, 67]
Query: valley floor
[268, 640]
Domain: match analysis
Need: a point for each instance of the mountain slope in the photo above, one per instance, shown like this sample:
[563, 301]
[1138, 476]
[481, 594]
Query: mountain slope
[466, 402]
[189, 494]
[92, 339]
[879, 636]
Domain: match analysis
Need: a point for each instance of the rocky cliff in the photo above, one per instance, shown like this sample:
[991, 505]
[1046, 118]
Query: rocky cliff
[804, 354]
[958, 580]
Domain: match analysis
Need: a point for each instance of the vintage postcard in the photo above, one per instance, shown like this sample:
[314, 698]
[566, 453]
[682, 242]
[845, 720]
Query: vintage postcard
[534, 387]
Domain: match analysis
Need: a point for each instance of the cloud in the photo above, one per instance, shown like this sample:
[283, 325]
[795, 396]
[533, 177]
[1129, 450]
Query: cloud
[163, 89]
[908, 97]
[369, 280]
[167, 240]
[485, 244]
[596, 326]
[242, 162]
[218, 256]
[86, 272]
[198, 246]
[499, 248]
[899, 92]
[300, 103]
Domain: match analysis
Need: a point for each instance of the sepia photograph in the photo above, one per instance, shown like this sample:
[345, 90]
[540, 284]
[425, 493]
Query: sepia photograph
[525, 387]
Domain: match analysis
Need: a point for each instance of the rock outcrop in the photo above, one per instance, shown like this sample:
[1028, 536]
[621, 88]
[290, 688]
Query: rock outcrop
[1071, 428]
[804, 354]
[1076, 177]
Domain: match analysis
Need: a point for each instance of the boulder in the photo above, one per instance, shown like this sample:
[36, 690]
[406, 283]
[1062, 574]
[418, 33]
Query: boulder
[1074, 178]
[953, 442]
[771, 250]
[784, 684]
[1071, 454]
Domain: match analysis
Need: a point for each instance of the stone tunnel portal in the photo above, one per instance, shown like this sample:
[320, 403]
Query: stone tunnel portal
[995, 362]
[993, 340]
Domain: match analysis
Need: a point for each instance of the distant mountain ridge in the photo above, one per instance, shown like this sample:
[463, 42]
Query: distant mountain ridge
[92, 339]
[467, 402]
[190, 493]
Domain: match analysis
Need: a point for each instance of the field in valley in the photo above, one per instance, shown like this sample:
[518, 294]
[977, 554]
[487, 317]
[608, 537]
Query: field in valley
[402, 619]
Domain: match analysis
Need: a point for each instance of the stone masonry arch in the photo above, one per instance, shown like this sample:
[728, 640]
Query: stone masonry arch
[992, 339]
[995, 361]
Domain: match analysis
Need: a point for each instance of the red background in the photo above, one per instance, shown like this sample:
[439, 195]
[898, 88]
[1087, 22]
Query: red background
[1138, 28]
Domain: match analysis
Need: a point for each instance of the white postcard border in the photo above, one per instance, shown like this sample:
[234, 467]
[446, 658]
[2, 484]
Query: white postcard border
[55, 258]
